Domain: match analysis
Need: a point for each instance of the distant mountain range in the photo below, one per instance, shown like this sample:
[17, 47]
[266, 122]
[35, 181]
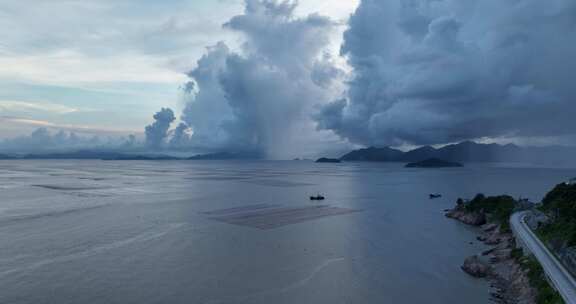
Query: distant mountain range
[467, 151]
[107, 155]
[4, 156]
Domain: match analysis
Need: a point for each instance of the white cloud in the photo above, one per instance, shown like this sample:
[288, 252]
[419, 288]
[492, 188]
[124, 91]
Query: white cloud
[261, 98]
[26, 124]
[28, 106]
[63, 42]
[108, 41]
[67, 67]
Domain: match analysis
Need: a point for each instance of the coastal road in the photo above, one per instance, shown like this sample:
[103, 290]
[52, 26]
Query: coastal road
[559, 276]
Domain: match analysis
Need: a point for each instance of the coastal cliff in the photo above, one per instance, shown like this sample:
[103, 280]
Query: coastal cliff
[514, 278]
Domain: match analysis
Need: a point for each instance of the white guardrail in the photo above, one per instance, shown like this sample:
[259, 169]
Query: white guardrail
[562, 280]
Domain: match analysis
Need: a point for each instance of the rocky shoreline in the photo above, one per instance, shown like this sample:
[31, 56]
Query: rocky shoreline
[509, 281]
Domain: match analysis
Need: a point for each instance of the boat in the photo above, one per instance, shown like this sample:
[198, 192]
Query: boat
[433, 196]
[317, 198]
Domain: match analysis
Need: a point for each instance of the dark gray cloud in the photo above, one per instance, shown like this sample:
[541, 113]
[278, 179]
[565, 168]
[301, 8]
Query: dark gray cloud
[181, 136]
[260, 99]
[157, 132]
[437, 71]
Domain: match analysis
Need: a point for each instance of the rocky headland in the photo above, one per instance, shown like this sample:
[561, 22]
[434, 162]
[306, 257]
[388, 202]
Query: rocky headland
[510, 282]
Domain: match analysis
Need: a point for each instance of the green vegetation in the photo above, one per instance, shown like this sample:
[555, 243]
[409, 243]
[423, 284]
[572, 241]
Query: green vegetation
[560, 205]
[516, 253]
[537, 277]
[498, 208]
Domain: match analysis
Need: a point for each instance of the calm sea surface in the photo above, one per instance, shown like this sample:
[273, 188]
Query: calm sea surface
[137, 232]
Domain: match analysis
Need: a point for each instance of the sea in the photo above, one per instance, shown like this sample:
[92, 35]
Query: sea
[235, 232]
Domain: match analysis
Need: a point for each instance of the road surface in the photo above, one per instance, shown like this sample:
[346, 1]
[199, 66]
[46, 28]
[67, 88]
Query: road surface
[559, 276]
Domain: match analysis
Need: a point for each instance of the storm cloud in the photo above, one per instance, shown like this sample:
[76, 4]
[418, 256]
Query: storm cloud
[260, 98]
[181, 136]
[157, 132]
[439, 71]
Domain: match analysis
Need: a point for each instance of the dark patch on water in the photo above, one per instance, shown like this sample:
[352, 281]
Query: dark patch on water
[278, 183]
[268, 216]
[68, 188]
[94, 178]
[217, 178]
[19, 218]
[235, 210]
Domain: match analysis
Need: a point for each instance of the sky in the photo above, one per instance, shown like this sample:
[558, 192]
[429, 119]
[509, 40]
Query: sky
[285, 78]
[106, 66]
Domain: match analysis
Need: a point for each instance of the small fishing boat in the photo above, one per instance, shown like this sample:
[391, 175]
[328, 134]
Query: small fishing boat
[317, 198]
[433, 196]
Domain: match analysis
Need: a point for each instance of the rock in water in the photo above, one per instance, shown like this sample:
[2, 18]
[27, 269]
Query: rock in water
[489, 227]
[475, 267]
[470, 218]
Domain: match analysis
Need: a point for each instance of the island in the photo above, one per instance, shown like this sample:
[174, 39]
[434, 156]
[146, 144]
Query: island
[328, 160]
[433, 163]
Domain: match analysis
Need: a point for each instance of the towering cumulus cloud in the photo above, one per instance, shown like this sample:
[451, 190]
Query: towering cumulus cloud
[157, 132]
[260, 98]
[181, 137]
[437, 71]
